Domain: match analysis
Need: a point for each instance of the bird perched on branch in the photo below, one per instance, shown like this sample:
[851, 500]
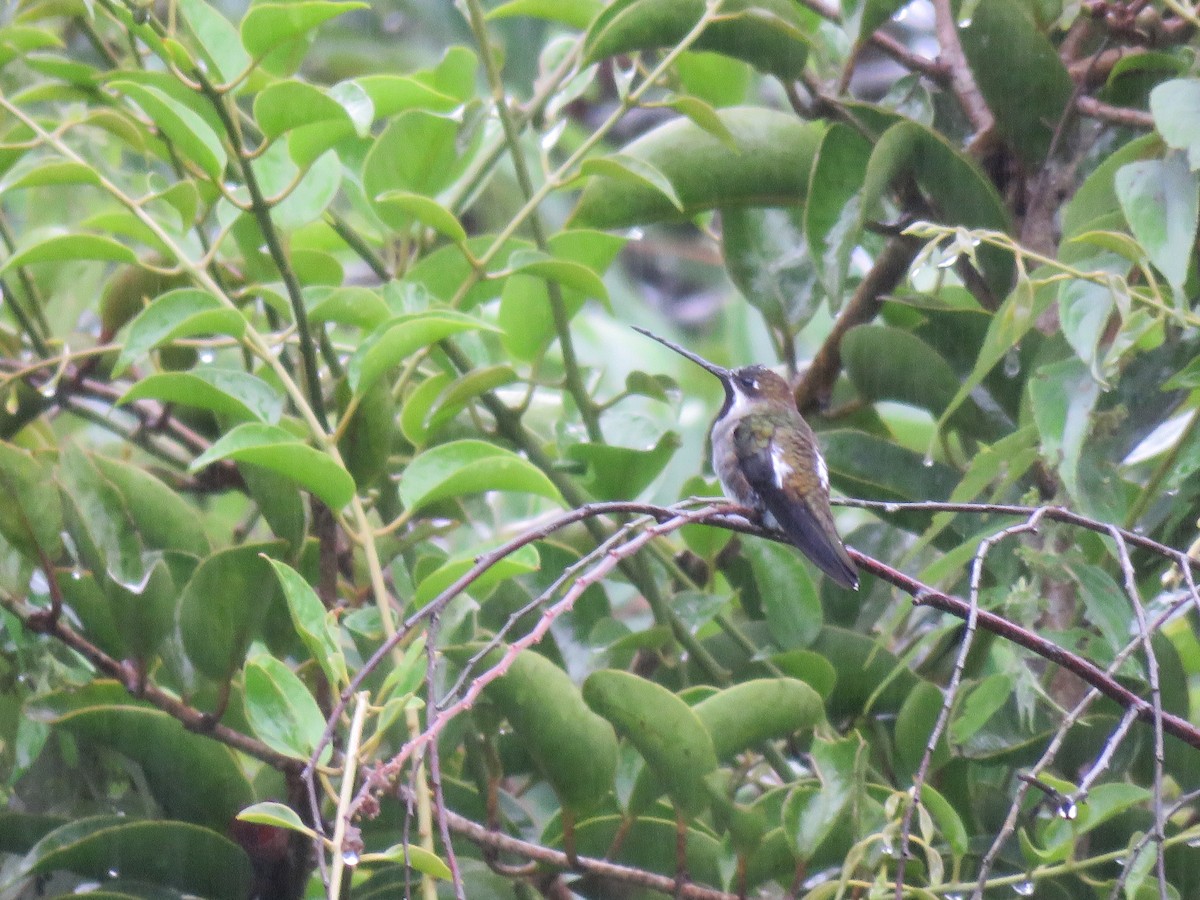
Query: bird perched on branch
[767, 459]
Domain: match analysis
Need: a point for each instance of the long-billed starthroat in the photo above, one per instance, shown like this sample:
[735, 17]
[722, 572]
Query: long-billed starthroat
[767, 459]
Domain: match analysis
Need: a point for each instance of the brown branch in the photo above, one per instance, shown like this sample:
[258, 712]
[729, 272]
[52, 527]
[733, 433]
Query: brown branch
[890, 268]
[1117, 115]
[499, 842]
[936, 70]
[962, 82]
[127, 674]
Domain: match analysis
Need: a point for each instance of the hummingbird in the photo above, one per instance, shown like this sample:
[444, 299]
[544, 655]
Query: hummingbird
[767, 459]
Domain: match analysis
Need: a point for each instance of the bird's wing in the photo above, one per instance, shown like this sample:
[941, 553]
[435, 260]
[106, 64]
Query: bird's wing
[799, 502]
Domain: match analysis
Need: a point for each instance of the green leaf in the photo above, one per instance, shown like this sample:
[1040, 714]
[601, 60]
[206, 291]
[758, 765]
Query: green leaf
[769, 34]
[277, 814]
[959, 190]
[285, 105]
[105, 518]
[769, 167]
[787, 593]
[981, 702]
[1028, 100]
[565, 272]
[270, 25]
[1096, 198]
[359, 307]
[622, 473]
[417, 858]
[68, 247]
[1175, 106]
[1085, 308]
[705, 116]
[281, 710]
[458, 394]
[809, 818]
[186, 312]
[666, 732]
[227, 392]
[522, 562]
[572, 13]
[766, 258]
[104, 714]
[526, 315]
[31, 516]
[317, 627]
[395, 340]
[223, 605]
[188, 132]
[426, 211]
[416, 153]
[894, 364]
[1012, 321]
[470, 467]
[914, 725]
[217, 37]
[164, 520]
[281, 451]
[633, 171]
[177, 854]
[49, 173]
[746, 715]
[831, 215]
[572, 746]
[1063, 396]
[1161, 202]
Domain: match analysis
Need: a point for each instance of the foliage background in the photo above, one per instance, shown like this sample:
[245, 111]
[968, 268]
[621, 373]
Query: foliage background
[315, 322]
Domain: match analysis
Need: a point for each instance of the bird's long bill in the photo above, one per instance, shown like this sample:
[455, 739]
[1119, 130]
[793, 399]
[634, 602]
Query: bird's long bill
[721, 373]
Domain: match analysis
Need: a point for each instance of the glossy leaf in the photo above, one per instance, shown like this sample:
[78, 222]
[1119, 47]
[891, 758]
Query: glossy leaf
[190, 134]
[810, 818]
[787, 593]
[217, 37]
[227, 392]
[622, 473]
[768, 34]
[103, 713]
[280, 709]
[1161, 202]
[276, 814]
[769, 167]
[526, 314]
[289, 104]
[223, 605]
[767, 259]
[426, 211]
[317, 627]
[1175, 106]
[521, 562]
[573, 747]
[470, 467]
[960, 191]
[268, 25]
[747, 714]
[31, 516]
[666, 732]
[831, 215]
[281, 451]
[186, 312]
[397, 339]
[1028, 100]
[1063, 396]
[194, 860]
[67, 247]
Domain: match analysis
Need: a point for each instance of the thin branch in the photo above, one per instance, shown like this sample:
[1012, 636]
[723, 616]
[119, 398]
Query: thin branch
[1117, 115]
[962, 82]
